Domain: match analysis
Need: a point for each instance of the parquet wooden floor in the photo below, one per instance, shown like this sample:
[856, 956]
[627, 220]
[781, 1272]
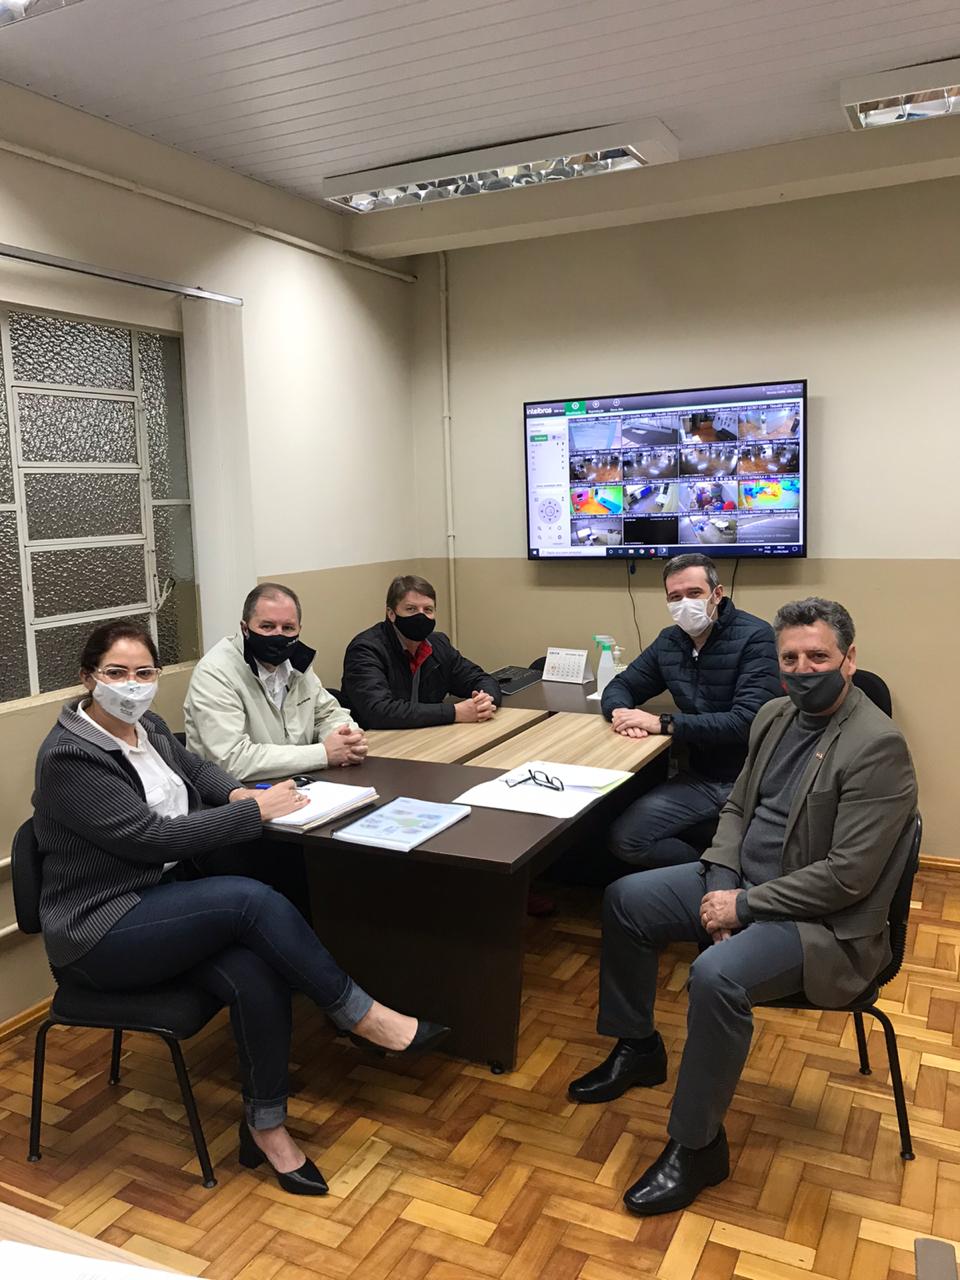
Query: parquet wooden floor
[442, 1171]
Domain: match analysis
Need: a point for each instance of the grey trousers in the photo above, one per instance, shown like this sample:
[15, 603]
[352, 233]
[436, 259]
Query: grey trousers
[761, 962]
[649, 833]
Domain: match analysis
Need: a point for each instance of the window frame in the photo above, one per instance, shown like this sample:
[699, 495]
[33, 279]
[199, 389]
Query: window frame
[156, 592]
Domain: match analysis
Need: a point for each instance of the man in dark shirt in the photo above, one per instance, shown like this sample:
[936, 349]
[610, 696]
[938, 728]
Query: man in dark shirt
[720, 665]
[792, 896]
[397, 674]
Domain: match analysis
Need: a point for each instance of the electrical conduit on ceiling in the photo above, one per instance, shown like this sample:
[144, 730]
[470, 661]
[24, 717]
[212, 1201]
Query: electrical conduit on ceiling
[260, 229]
[447, 446]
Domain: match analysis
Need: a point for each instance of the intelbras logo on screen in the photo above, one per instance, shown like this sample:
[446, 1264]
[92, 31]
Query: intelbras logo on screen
[539, 408]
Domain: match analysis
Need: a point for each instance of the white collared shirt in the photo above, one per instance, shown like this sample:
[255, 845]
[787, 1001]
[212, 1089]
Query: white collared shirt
[165, 791]
[275, 682]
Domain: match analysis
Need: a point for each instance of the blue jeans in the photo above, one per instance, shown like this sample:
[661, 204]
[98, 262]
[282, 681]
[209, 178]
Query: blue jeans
[250, 948]
[645, 835]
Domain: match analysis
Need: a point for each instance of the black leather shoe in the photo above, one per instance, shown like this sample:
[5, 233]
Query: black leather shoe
[677, 1177]
[427, 1036]
[305, 1181]
[620, 1071]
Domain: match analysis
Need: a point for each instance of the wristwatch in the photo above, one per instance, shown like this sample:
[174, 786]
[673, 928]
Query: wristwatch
[666, 725]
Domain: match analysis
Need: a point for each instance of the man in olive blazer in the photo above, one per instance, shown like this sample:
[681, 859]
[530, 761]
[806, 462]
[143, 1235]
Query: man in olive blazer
[848, 834]
[792, 896]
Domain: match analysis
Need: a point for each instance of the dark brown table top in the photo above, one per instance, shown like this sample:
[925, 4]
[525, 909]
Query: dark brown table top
[491, 839]
[552, 696]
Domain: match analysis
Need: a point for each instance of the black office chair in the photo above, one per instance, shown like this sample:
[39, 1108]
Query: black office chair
[174, 1012]
[538, 663]
[338, 695]
[181, 738]
[876, 690]
[867, 1001]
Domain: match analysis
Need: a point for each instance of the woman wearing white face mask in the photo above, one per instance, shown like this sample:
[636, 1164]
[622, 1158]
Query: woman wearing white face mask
[120, 805]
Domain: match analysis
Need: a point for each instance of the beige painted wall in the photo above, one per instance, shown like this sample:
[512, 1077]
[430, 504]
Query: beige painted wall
[326, 347]
[859, 293]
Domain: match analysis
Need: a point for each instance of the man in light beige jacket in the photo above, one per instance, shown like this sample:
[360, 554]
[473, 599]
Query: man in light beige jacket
[255, 706]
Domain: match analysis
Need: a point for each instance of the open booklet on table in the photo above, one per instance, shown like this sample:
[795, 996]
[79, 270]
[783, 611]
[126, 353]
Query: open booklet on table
[402, 824]
[328, 800]
[540, 786]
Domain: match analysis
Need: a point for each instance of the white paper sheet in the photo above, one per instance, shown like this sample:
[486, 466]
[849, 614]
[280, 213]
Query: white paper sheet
[527, 799]
[573, 775]
[29, 1262]
[328, 800]
[582, 785]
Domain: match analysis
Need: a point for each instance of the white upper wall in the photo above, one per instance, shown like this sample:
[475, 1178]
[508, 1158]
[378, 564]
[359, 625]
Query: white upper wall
[858, 293]
[326, 354]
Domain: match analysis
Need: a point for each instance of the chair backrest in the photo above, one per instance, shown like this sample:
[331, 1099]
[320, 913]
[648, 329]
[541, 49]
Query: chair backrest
[538, 663]
[336, 694]
[26, 863]
[180, 736]
[900, 907]
[876, 690]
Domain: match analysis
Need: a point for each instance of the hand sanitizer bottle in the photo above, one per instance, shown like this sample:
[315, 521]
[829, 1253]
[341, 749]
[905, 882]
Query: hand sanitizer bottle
[605, 667]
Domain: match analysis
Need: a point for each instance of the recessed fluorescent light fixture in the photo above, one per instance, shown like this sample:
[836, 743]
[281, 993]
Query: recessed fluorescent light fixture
[611, 149]
[909, 93]
[14, 10]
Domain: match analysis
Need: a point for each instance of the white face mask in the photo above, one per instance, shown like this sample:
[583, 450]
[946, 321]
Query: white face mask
[127, 700]
[692, 616]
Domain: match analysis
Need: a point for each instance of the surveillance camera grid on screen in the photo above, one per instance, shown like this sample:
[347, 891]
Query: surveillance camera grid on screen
[722, 468]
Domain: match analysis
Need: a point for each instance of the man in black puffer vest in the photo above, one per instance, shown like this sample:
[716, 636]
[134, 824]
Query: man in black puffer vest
[720, 666]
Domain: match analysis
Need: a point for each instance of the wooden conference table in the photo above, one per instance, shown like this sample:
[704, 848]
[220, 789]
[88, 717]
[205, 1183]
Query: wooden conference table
[439, 932]
[453, 743]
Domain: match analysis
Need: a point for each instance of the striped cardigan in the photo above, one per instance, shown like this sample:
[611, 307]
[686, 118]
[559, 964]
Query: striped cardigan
[101, 843]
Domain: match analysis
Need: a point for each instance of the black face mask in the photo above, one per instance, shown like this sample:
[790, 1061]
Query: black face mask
[416, 626]
[814, 691]
[272, 649]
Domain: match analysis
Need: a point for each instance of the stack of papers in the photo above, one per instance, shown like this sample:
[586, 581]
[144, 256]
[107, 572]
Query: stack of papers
[581, 786]
[402, 824]
[328, 800]
[28, 1262]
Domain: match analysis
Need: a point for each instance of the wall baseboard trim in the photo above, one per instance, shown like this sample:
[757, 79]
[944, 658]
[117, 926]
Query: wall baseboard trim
[26, 1018]
[930, 863]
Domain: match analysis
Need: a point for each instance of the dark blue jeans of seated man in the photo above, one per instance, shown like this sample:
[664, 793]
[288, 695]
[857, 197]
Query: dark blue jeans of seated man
[246, 945]
[650, 833]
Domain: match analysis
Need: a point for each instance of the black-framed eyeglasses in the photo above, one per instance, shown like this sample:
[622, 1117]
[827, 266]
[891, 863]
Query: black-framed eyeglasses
[539, 778]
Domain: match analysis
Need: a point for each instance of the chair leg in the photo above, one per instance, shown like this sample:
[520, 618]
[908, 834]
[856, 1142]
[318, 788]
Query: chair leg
[115, 1055]
[862, 1043]
[896, 1081]
[186, 1092]
[36, 1100]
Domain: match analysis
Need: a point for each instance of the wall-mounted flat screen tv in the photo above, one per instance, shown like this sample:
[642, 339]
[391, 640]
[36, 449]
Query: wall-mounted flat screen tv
[714, 469]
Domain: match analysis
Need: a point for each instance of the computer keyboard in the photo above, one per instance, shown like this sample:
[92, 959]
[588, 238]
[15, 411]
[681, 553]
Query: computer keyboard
[503, 674]
[513, 679]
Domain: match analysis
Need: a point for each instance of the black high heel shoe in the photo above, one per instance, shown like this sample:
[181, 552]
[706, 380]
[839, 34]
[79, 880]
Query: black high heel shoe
[428, 1035]
[305, 1181]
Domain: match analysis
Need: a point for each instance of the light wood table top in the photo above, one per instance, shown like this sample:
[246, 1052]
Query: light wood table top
[25, 1228]
[452, 743]
[571, 738]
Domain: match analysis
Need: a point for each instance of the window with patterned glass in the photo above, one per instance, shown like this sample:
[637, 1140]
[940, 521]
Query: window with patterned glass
[95, 518]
